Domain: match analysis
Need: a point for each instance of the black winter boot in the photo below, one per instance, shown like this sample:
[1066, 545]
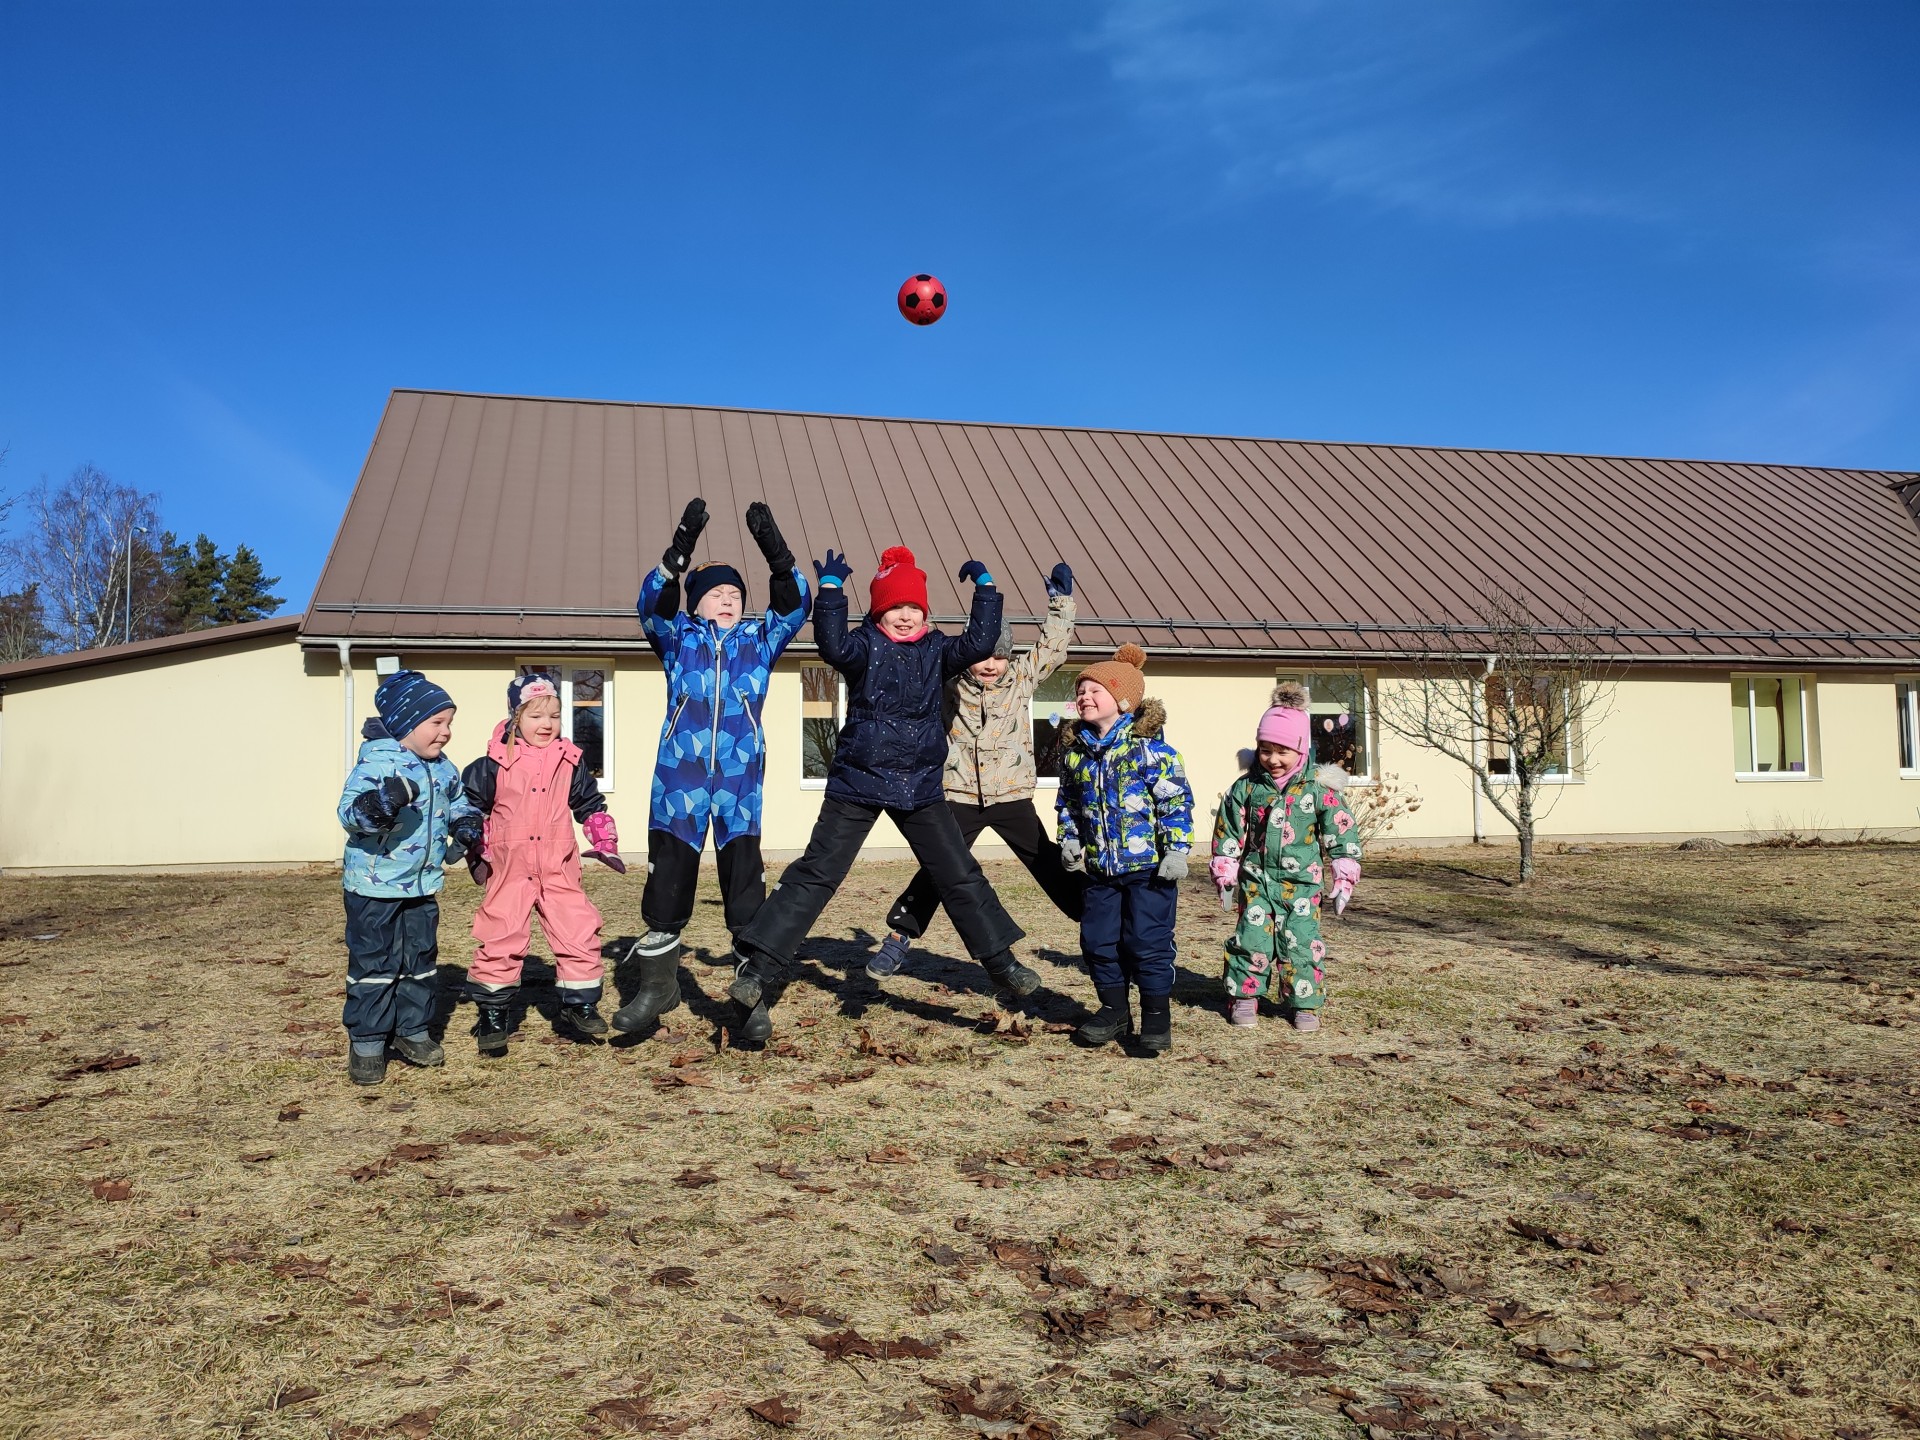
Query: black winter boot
[582, 1017]
[366, 1069]
[1156, 1023]
[424, 1052]
[752, 979]
[1112, 1020]
[659, 991]
[491, 1029]
[1008, 973]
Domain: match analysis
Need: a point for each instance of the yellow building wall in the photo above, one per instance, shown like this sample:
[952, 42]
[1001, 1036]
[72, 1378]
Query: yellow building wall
[152, 763]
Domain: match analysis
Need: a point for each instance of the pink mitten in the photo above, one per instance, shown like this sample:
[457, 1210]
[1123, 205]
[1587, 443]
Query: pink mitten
[1346, 874]
[601, 834]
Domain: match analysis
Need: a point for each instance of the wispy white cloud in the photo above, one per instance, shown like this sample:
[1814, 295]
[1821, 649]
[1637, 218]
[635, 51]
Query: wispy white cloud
[1405, 107]
[246, 450]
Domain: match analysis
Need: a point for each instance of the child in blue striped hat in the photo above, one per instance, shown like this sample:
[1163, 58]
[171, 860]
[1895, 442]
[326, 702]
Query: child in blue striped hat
[406, 814]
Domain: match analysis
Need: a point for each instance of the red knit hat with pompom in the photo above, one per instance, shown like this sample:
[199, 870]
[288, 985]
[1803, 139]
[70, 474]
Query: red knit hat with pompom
[1121, 676]
[898, 581]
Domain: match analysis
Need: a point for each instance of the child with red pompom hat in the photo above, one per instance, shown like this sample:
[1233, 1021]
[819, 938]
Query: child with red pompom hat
[890, 758]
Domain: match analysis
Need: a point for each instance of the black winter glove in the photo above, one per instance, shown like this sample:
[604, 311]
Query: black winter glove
[767, 536]
[692, 521]
[468, 832]
[380, 807]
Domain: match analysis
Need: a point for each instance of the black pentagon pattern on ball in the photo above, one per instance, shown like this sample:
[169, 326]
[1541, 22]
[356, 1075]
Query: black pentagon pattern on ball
[923, 277]
[911, 302]
[939, 300]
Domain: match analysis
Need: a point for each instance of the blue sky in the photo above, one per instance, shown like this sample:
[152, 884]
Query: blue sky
[1646, 228]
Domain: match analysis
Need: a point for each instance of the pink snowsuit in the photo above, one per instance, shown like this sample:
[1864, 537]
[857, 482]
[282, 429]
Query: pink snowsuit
[536, 866]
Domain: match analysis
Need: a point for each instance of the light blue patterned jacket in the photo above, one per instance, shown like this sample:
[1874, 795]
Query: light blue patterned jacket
[407, 860]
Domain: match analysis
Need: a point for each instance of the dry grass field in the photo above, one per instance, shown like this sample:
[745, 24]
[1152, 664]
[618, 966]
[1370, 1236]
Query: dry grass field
[1629, 1154]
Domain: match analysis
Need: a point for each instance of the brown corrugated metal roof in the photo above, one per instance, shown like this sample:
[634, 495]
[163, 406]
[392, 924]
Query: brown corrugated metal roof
[143, 649]
[505, 520]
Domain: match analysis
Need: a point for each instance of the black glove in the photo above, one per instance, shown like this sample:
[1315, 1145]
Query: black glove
[380, 807]
[767, 536]
[468, 832]
[692, 521]
[1060, 582]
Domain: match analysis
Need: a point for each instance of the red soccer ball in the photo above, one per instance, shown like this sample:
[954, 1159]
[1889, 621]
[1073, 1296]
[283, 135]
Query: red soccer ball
[923, 299]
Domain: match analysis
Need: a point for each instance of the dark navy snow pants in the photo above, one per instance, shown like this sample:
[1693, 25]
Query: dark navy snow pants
[1126, 931]
[393, 958]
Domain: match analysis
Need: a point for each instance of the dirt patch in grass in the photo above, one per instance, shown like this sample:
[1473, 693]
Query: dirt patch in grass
[1630, 1152]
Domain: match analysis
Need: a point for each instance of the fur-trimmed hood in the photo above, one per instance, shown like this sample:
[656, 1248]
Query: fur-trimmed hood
[1149, 723]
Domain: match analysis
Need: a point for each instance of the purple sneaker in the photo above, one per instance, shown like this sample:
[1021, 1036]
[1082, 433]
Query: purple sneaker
[1244, 1012]
[1305, 1019]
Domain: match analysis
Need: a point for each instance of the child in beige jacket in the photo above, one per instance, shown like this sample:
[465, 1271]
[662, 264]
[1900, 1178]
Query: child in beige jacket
[990, 776]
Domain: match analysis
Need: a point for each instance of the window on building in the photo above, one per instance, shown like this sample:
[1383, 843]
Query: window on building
[1341, 707]
[1906, 695]
[1536, 714]
[1769, 725]
[1052, 713]
[823, 708]
[586, 711]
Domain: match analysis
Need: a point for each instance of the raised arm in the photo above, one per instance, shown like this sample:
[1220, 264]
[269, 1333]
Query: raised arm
[842, 648]
[787, 598]
[983, 623]
[1055, 634]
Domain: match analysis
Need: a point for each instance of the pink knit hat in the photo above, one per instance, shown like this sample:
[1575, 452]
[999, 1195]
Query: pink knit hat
[1286, 722]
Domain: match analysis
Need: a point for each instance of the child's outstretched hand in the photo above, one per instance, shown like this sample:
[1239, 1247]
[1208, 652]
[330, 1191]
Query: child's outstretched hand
[1060, 582]
[1173, 865]
[976, 572]
[1346, 874]
[1073, 855]
[380, 807]
[833, 570]
[692, 521]
[767, 536]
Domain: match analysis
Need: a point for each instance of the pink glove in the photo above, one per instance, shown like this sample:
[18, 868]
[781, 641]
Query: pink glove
[601, 834]
[1225, 870]
[1346, 875]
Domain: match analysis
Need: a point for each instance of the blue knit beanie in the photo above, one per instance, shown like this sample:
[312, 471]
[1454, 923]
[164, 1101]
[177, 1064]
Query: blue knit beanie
[703, 578]
[407, 697]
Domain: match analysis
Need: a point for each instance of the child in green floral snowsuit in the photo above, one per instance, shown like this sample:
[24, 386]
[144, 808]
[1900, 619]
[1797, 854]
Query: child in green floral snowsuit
[1275, 822]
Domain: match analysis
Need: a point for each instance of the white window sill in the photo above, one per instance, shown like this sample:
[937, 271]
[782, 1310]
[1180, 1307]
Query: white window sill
[1047, 782]
[813, 784]
[1504, 780]
[1776, 777]
[1910, 774]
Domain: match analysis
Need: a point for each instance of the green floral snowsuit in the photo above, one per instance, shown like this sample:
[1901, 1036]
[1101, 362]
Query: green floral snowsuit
[1267, 848]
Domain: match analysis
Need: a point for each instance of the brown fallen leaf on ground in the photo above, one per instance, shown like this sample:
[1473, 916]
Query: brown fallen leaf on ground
[1558, 1239]
[290, 1112]
[1512, 1315]
[302, 1267]
[372, 1170]
[1307, 1358]
[691, 1179]
[258, 1157]
[294, 1395]
[891, 1155]
[634, 1414]
[416, 1424]
[1168, 1425]
[1617, 1292]
[775, 1410]
[418, 1153]
[118, 1060]
[578, 1218]
[110, 1189]
[1555, 1346]
[673, 1277]
[1433, 1192]
[842, 1343]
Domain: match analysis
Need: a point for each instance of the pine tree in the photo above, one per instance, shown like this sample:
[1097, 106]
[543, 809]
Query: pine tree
[245, 587]
[194, 579]
[23, 628]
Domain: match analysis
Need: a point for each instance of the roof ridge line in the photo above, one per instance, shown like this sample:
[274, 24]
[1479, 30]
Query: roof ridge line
[1908, 476]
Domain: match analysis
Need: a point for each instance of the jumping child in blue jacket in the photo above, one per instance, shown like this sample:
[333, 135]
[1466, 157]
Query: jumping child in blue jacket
[889, 758]
[713, 750]
[405, 813]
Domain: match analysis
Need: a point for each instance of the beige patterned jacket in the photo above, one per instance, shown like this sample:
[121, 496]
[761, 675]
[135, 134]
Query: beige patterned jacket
[990, 731]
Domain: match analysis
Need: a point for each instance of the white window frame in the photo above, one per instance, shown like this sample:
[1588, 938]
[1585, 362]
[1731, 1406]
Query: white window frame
[1363, 721]
[564, 667]
[808, 782]
[1907, 694]
[1574, 774]
[1067, 718]
[1807, 771]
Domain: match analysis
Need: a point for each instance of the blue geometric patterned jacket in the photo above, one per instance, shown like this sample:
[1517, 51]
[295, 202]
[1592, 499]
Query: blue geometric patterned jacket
[713, 753]
[407, 860]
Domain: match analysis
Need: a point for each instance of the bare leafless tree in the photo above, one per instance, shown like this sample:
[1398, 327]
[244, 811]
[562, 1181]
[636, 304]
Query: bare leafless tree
[1513, 695]
[85, 551]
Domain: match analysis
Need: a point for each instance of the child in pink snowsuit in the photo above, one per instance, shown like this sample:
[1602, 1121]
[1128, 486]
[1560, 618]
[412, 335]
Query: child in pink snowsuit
[532, 788]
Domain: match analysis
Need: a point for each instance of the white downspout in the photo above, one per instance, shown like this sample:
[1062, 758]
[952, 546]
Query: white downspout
[349, 749]
[1479, 728]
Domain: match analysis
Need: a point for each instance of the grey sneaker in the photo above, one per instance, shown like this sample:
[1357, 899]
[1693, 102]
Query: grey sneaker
[891, 958]
[1305, 1019]
[1244, 1012]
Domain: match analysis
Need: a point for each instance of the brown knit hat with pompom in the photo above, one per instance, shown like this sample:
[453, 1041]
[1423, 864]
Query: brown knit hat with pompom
[1121, 677]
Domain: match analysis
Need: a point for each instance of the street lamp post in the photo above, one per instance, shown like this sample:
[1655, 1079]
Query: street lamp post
[126, 635]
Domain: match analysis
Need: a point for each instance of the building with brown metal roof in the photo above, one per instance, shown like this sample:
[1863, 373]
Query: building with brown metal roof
[489, 533]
